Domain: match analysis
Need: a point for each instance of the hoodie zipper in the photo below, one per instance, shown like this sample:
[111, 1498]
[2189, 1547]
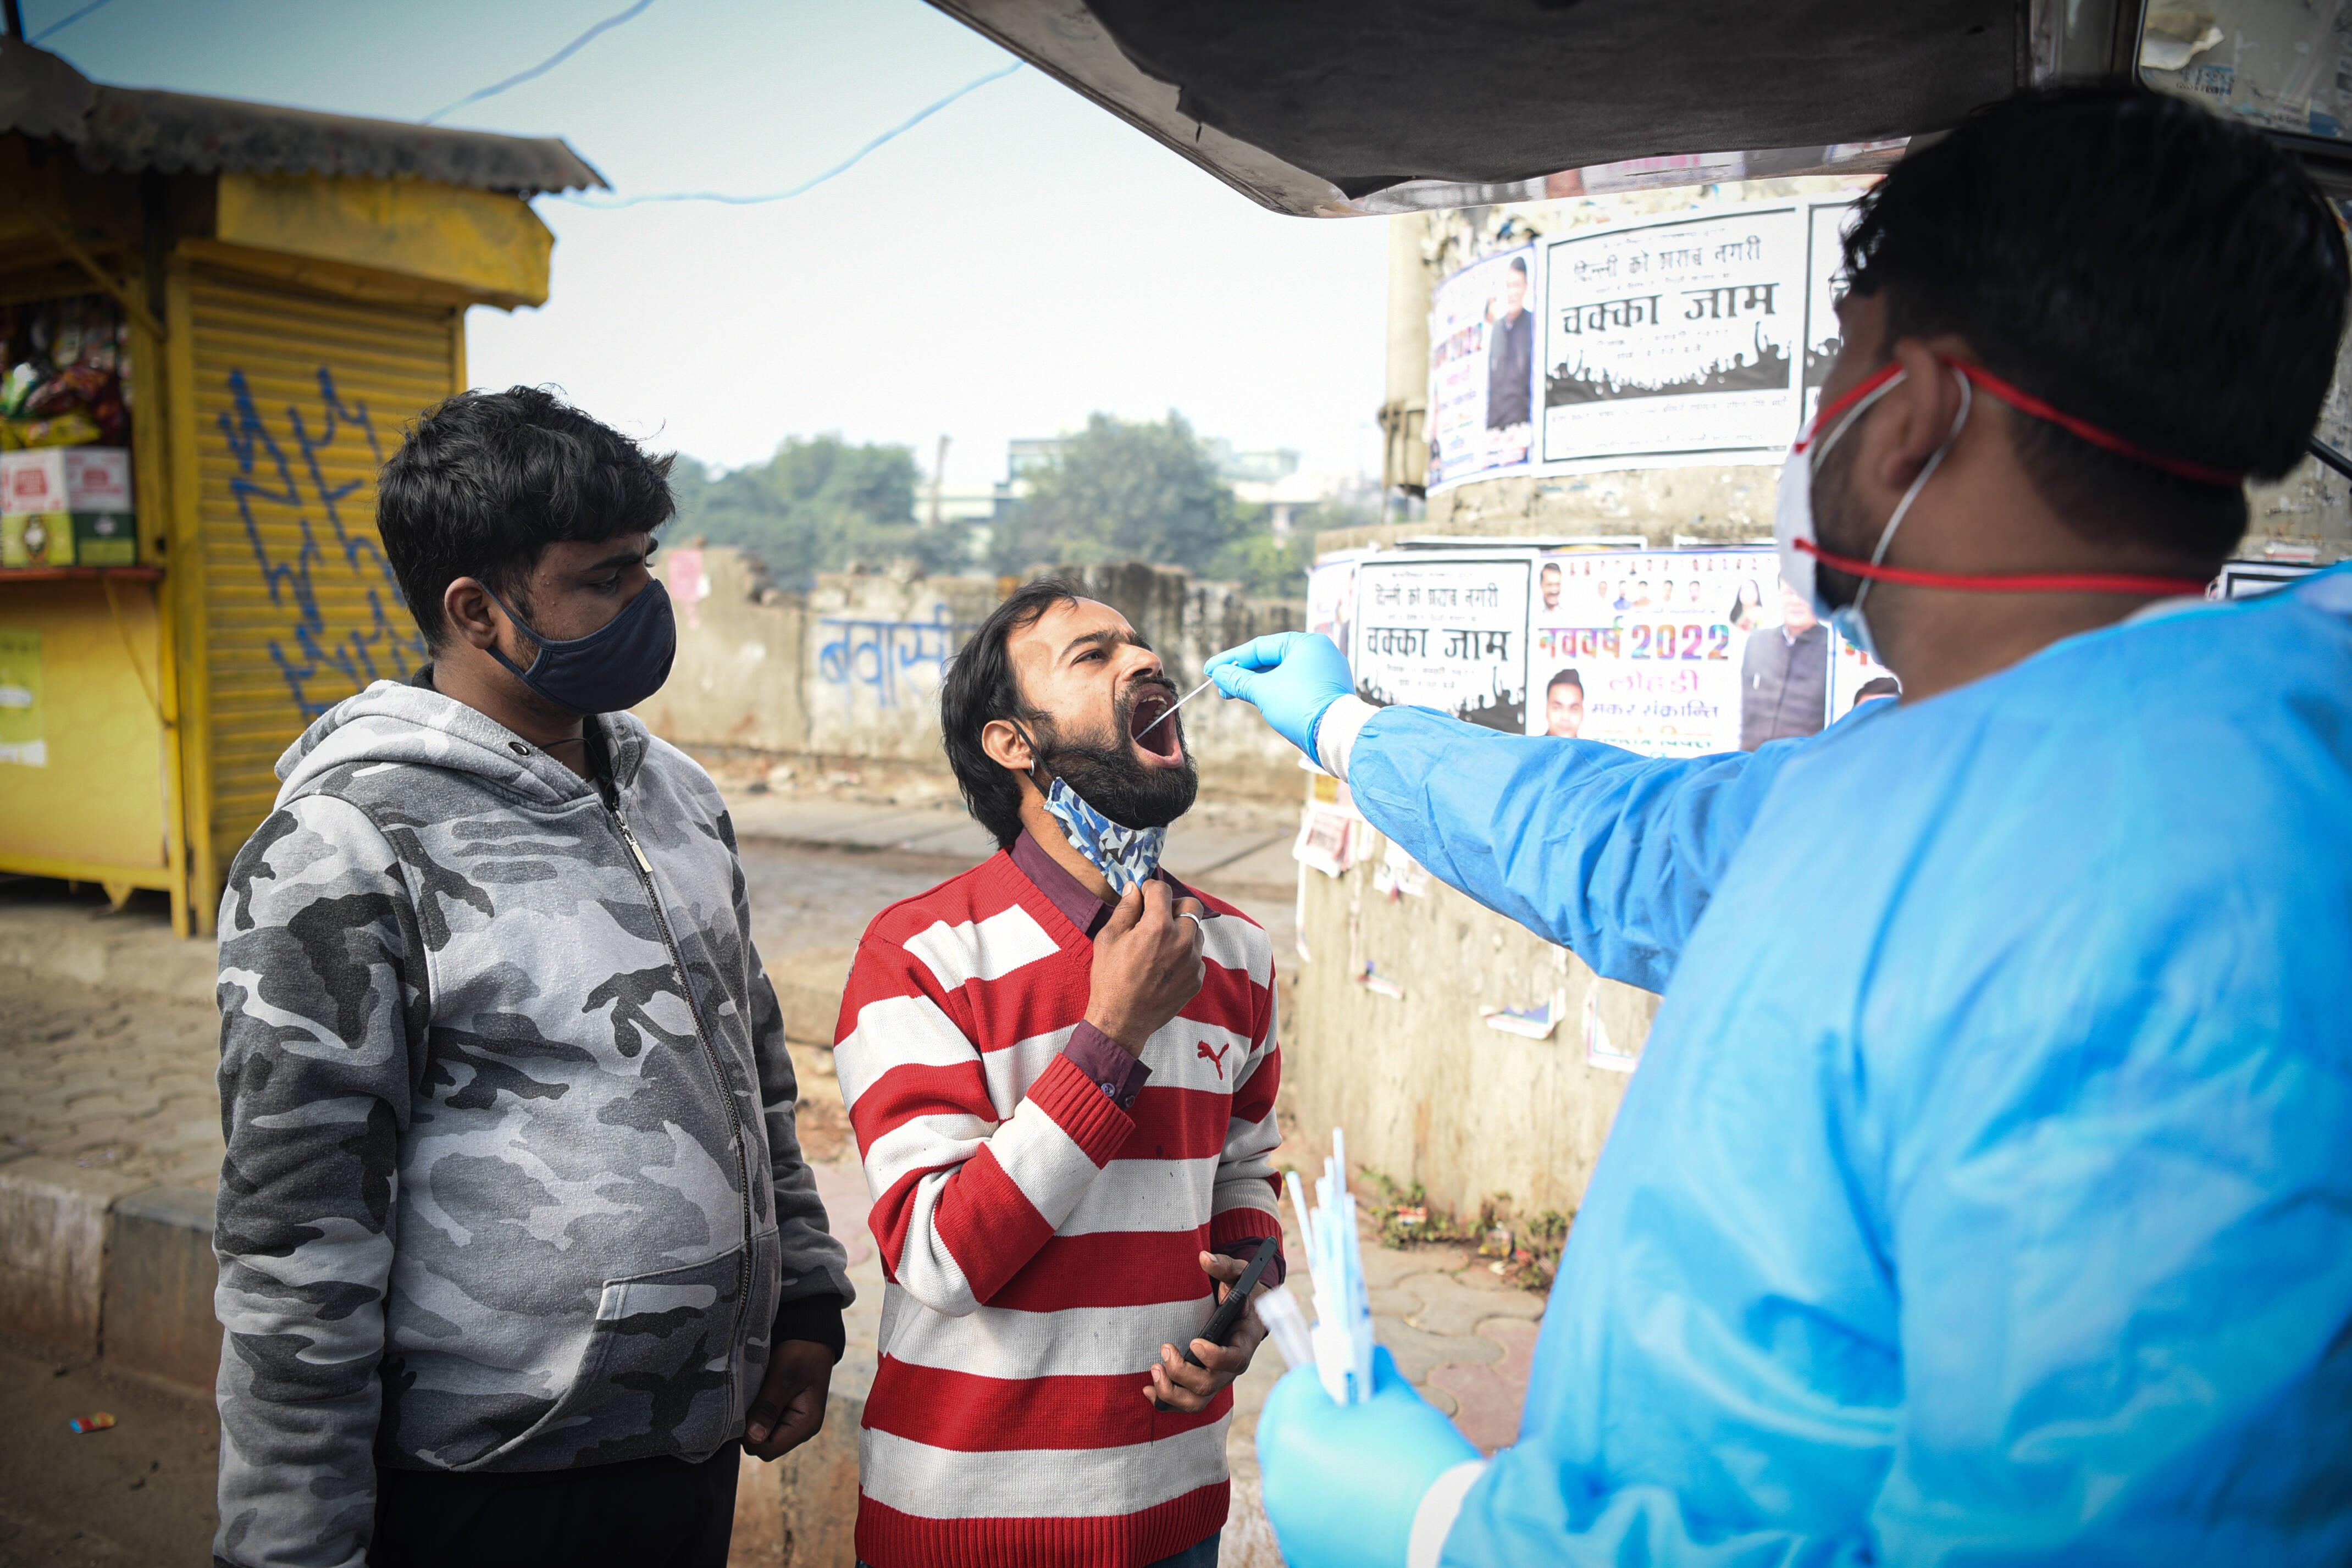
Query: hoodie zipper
[709, 1054]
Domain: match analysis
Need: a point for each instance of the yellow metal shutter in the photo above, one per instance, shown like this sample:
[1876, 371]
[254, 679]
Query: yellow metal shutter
[299, 400]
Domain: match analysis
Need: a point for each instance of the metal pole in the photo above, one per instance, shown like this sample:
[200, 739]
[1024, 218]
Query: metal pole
[2319, 449]
[16, 18]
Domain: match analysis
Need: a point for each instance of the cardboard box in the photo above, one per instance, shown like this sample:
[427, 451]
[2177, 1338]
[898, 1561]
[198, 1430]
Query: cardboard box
[105, 538]
[66, 479]
[36, 538]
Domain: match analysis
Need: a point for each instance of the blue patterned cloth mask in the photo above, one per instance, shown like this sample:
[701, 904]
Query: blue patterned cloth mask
[1126, 856]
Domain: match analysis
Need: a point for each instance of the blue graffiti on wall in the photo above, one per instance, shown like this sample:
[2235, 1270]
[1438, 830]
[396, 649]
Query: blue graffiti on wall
[311, 656]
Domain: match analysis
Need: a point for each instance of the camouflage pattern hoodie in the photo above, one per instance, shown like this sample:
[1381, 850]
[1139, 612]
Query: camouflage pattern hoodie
[511, 1181]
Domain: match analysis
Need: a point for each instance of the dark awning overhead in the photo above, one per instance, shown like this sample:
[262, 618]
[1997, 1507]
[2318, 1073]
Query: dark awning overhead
[1333, 107]
[134, 129]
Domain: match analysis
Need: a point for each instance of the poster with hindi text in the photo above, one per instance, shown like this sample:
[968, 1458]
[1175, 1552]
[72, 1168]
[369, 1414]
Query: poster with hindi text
[1483, 327]
[1673, 340]
[1642, 649]
[1446, 632]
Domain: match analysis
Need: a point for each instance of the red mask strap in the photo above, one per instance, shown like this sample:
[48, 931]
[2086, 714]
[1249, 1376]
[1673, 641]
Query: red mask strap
[2008, 582]
[2026, 403]
[1853, 395]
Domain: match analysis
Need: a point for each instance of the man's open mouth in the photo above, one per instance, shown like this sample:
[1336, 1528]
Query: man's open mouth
[1160, 743]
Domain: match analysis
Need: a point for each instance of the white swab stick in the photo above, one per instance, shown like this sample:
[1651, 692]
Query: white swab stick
[1180, 702]
[1278, 1309]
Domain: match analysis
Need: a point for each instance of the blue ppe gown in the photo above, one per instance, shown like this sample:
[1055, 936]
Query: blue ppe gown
[1985, 1192]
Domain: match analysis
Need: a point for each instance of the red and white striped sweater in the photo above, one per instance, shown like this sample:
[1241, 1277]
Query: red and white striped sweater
[1041, 1243]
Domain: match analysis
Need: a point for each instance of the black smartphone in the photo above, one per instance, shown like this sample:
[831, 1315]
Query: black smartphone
[1228, 1315]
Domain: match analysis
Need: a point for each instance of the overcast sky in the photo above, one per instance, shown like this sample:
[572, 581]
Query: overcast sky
[1009, 265]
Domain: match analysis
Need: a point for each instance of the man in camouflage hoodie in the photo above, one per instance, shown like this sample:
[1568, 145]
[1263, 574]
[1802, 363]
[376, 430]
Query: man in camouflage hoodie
[516, 1241]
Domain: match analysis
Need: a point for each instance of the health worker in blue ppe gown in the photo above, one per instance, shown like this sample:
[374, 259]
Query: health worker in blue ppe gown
[1984, 1195]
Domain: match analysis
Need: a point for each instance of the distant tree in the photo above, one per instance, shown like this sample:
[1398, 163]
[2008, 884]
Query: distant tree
[1268, 567]
[1123, 490]
[819, 504]
[1277, 569]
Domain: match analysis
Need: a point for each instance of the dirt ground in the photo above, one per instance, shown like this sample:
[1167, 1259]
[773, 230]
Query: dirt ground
[140, 1492]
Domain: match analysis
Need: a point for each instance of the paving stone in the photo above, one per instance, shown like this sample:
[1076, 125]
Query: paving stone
[1450, 1306]
[1489, 1398]
[1418, 1352]
[1388, 1265]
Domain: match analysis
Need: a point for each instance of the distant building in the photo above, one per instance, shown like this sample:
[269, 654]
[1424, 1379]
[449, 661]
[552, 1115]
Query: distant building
[1270, 466]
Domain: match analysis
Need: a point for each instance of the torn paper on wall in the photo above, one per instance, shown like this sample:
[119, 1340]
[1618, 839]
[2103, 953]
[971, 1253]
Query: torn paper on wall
[1529, 1023]
[1323, 841]
[1600, 1050]
[1399, 873]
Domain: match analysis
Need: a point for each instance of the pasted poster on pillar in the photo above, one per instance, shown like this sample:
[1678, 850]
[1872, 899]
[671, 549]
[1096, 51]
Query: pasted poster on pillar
[1826, 224]
[1482, 369]
[1331, 602]
[1446, 632]
[1675, 340]
[1644, 648]
[22, 740]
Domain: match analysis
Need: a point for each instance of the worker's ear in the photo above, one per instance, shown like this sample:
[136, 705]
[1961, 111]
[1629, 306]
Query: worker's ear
[1916, 416]
[467, 609]
[1008, 746]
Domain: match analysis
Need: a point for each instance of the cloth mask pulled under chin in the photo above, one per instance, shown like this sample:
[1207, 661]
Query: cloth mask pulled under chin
[1126, 856]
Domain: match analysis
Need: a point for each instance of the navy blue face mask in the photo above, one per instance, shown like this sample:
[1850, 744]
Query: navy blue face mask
[616, 666]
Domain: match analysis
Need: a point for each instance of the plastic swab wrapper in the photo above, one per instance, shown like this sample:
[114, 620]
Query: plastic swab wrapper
[1341, 1340]
[1278, 1309]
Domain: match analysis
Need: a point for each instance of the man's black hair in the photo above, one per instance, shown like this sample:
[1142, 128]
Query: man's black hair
[486, 481]
[1519, 265]
[981, 687]
[1567, 677]
[2137, 261]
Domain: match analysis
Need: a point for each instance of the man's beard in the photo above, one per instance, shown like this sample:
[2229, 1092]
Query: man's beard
[1111, 778]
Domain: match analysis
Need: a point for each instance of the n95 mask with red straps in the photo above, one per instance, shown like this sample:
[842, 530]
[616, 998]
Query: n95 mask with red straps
[1800, 546]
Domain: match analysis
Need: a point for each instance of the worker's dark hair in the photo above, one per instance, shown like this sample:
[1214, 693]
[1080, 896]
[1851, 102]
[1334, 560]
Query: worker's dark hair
[981, 687]
[1519, 265]
[486, 481]
[2136, 261]
[1567, 677]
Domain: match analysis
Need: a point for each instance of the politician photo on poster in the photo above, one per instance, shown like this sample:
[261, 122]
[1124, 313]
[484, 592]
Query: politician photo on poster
[1482, 369]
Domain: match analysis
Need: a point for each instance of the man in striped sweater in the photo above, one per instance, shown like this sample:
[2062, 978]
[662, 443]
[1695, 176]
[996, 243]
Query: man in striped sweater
[1061, 1067]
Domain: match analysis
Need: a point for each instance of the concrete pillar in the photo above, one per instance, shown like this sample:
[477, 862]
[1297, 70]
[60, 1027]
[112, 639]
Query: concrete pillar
[1405, 406]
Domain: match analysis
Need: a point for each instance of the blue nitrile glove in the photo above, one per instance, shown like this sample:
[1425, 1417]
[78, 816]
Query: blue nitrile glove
[1290, 678]
[1343, 1481]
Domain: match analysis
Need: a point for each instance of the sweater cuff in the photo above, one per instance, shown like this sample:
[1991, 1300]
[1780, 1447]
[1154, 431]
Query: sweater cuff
[1106, 1064]
[814, 1319]
[1337, 729]
[1091, 1118]
[1236, 1232]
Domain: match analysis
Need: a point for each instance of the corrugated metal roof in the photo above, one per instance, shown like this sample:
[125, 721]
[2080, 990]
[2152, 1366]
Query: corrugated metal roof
[132, 128]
